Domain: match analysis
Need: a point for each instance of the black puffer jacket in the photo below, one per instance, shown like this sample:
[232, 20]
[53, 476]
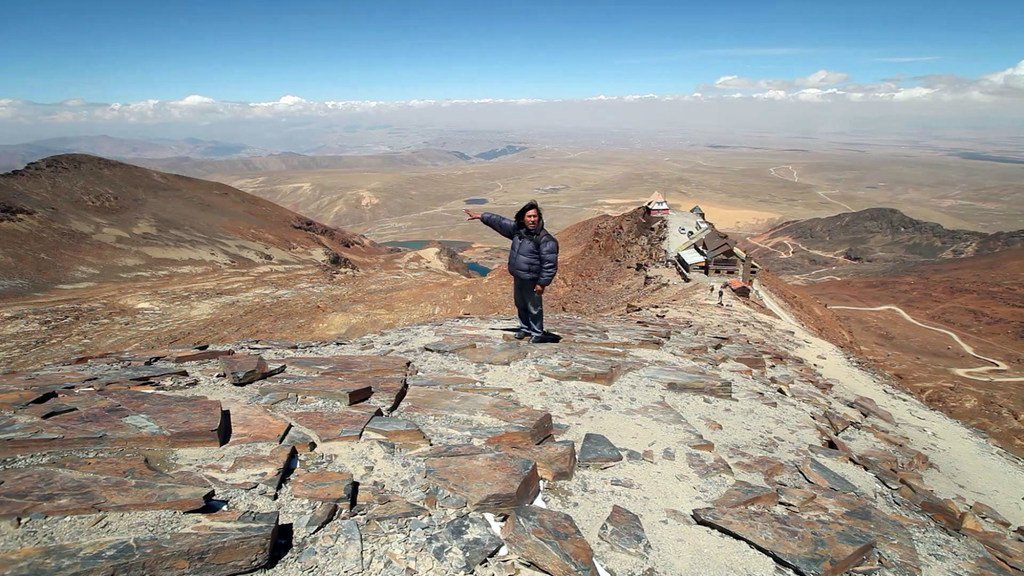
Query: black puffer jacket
[534, 255]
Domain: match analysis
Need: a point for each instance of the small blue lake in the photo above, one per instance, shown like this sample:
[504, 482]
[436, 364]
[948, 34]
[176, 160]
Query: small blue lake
[478, 268]
[456, 245]
[475, 200]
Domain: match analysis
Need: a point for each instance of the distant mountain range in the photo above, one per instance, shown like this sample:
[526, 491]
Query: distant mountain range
[203, 167]
[14, 156]
[499, 152]
[195, 157]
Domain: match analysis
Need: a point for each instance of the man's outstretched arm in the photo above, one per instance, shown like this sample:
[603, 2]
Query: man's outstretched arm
[499, 224]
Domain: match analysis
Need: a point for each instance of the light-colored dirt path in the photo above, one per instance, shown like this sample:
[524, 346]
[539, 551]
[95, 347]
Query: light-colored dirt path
[964, 372]
[795, 178]
[779, 252]
[834, 201]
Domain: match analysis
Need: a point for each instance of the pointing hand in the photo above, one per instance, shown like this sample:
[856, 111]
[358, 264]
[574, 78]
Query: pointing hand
[472, 215]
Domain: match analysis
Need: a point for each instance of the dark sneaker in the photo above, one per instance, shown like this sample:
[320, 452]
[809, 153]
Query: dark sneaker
[543, 339]
[521, 334]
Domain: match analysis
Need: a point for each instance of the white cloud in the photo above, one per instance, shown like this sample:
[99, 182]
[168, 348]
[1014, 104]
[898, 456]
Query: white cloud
[195, 100]
[823, 78]
[816, 93]
[1011, 78]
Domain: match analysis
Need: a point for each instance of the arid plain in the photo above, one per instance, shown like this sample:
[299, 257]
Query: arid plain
[740, 189]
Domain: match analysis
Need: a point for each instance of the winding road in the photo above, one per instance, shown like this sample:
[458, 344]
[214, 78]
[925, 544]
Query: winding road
[823, 195]
[964, 372]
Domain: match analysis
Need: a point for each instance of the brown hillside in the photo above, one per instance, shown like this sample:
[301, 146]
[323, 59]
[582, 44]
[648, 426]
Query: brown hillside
[603, 261]
[77, 218]
[981, 299]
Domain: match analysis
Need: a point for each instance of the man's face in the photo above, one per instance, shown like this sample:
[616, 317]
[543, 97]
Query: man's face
[532, 219]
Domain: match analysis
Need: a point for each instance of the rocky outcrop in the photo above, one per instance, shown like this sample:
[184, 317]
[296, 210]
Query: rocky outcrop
[393, 455]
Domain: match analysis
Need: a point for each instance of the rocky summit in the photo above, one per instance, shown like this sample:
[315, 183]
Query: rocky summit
[687, 439]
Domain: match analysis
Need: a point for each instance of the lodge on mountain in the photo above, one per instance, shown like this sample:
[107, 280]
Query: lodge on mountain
[703, 249]
[657, 205]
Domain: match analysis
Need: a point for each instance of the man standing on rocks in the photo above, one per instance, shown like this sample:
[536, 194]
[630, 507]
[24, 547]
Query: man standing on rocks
[532, 262]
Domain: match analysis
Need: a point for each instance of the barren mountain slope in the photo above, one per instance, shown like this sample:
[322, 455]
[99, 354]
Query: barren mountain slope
[980, 299]
[966, 283]
[76, 218]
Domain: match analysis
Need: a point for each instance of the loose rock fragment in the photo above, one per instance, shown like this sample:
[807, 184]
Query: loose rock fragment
[395, 430]
[395, 508]
[522, 425]
[818, 473]
[597, 450]
[322, 485]
[550, 540]
[496, 482]
[623, 530]
[244, 369]
[464, 543]
[869, 407]
[555, 460]
[112, 418]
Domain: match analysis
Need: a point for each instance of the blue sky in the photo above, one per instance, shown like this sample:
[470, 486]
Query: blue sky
[115, 51]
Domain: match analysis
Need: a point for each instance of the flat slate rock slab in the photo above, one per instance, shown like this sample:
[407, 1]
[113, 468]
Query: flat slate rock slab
[449, 345]
[135, 376]
[396, 430]
[249, 470]
[345, 425]
[522, 425]
[220, 545]
[116, 418]
[686, 379]
[825, 544]
[345, 390]
[817, 473]
[597, 450]
[585, 366]
[496, 354]
[62, 492]
[385, 375]
[251, 423]
[550, 540]
[743, 494]
[490, 482]
[322, 485]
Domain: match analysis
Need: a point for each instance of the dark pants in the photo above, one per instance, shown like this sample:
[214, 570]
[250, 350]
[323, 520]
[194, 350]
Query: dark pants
[530, 306]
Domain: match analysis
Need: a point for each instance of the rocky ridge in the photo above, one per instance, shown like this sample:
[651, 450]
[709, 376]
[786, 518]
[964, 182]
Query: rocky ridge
[878, 239]
[686, 440]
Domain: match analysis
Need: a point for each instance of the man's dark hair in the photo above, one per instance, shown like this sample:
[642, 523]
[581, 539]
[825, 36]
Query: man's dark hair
[521, 215]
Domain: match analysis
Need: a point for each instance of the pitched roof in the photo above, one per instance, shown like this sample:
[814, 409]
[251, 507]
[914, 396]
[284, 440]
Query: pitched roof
[691, 256]
[696, 210]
